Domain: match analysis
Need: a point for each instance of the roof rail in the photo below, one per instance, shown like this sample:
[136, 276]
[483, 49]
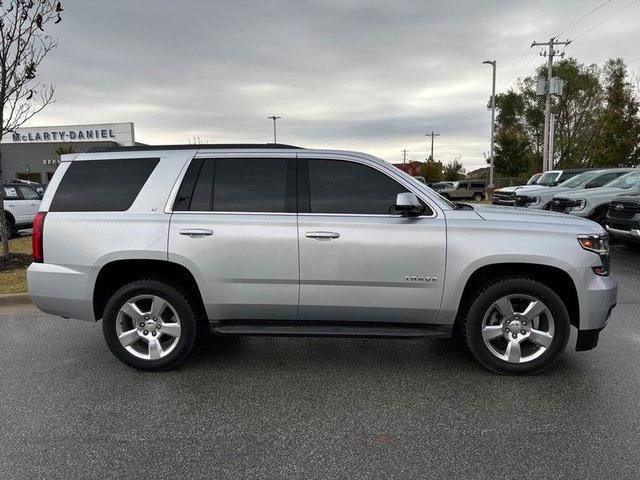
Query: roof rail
[208, 146]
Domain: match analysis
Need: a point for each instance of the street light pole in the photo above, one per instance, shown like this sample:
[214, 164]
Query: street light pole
[493, 120]
[274, 118]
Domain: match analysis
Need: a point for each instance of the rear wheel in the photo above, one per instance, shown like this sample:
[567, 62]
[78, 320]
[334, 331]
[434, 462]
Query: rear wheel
[516, 325]
[150, 325]
[10, 227]
[478, 197]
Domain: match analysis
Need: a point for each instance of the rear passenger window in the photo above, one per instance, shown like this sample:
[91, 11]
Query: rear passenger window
[102, 185]
[238, 185]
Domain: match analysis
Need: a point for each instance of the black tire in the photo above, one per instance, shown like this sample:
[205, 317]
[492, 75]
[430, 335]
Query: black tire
[478, 197]
[10, 226]
[190, 324]
[481, 302]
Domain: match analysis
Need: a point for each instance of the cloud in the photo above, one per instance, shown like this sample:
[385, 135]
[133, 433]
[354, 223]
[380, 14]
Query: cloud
[353, 74]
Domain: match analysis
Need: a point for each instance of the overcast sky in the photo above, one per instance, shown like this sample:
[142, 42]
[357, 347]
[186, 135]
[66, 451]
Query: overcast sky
[354, 74]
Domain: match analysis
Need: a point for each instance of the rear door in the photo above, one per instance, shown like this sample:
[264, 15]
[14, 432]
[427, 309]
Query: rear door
[234, 224]
[359, 259]
[30, 203]
[13, 201]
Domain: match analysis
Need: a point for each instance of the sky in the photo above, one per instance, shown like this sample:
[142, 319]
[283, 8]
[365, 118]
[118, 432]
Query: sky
[365, 75]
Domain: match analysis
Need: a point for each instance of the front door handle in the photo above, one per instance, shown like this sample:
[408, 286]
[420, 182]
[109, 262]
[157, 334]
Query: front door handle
[322, 235]
[196, 232]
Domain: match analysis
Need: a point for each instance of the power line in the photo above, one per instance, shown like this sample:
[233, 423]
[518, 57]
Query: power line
[570, 26]
[606, 18]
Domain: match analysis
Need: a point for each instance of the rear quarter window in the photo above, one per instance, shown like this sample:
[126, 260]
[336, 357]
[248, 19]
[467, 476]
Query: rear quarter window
[102, 185]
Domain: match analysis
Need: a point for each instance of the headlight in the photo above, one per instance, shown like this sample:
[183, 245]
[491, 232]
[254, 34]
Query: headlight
[534, 201]
[598, 244]
[579, 205]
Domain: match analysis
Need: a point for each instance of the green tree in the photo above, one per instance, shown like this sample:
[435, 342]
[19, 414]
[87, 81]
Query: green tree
[64, 149]
[618, 138]
[431, 171]
[453, 171]
[513, 155]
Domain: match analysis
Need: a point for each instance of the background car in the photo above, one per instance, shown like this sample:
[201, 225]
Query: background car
[441, 186]
[21, 203]
[507, 195]
[541, 197]
[623, 220]
[594, 203]
[465, 190]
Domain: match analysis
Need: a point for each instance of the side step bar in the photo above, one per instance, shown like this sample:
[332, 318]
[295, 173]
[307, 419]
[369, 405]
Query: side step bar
[329, 329]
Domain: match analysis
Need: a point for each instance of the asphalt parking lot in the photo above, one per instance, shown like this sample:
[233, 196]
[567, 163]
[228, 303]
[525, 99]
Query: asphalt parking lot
[316, 408]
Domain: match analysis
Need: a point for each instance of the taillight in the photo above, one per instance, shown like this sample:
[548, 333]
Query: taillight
[37, 237]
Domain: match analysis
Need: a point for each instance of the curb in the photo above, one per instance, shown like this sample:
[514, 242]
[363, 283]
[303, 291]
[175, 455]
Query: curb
[14, 299]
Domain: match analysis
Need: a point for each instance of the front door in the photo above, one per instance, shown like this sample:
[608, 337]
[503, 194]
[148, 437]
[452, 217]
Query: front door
[359, 260]
[234, 225]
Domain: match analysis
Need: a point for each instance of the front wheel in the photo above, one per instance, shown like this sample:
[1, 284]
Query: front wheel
[150, 325]
[516, 325]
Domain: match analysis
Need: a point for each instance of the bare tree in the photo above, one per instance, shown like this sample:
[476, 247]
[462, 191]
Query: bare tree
[24, 44]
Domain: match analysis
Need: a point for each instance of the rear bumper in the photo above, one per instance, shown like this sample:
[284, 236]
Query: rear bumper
[60, 291]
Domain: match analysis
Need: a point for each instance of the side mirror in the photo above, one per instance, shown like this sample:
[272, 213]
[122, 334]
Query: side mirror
[591, 184]
[408, 204]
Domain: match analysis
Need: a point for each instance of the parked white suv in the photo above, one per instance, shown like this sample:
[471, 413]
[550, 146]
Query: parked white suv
[21, 203]
[163, 242]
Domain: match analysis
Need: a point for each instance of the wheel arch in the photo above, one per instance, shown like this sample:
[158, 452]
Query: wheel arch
[117, 273]
[553, 277]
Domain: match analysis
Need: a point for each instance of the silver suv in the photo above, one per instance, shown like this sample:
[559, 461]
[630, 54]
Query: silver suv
[162, 243]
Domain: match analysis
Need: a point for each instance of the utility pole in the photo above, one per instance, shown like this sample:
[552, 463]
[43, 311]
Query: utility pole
[274, 118]
[552, 133]
[404, 155]
[550, 53]
[493, 119]
[432, 135]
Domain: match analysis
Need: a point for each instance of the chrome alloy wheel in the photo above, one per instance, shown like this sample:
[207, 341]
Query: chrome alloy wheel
[518, 328]
[148, 327]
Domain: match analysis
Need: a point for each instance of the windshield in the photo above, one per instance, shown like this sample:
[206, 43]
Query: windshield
[626, 181]
[547, 178]
[534, 179]
[573, 182]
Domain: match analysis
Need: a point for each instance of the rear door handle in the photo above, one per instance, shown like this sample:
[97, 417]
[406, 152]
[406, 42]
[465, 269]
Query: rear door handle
[322, 235]
[196, 232]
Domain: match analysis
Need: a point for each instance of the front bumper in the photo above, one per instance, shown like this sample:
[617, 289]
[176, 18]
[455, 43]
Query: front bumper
[632, 234]
[597, 300]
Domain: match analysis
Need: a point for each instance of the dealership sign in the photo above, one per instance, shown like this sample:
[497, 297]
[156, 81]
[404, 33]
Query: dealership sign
[64, 135]
[120, 133]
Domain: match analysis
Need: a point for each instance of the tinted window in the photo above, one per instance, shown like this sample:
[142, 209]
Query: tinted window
[183, 199]
[102, 185]
[250, 185]
[28, 193]
[238, 185]
[344, 187]
[566, 175]
[477, 184]
[462, 185]
[203, 191]
[602, 179]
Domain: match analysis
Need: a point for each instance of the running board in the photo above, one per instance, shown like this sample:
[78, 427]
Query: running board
[329, 329]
